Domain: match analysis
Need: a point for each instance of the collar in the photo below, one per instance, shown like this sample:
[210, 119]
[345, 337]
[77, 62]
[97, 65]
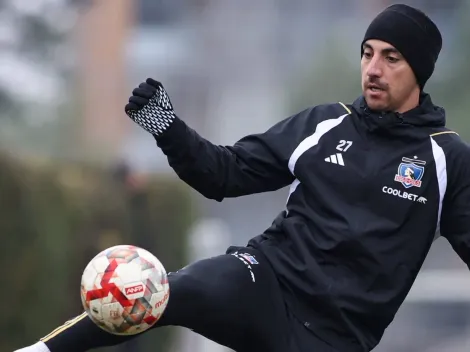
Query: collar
[425, 114]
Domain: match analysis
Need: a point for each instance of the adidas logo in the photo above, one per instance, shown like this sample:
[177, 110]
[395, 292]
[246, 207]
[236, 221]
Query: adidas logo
[335, 159]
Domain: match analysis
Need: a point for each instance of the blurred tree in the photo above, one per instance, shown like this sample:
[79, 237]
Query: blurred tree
[56, 217]
[34, 45]
[36, 64]
[333, 78]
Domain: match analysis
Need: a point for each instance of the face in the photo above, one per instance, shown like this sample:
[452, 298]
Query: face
[388, 82]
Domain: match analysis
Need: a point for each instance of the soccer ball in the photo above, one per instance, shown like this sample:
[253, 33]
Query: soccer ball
[125, 290]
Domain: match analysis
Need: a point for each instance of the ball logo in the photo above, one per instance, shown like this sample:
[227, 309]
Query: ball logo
[134, 289]
[114, 314]
[162, 301]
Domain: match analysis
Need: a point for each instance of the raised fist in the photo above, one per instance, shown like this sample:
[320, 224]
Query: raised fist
[150, 107]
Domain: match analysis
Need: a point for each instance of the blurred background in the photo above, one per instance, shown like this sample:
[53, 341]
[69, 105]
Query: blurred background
[78, 176]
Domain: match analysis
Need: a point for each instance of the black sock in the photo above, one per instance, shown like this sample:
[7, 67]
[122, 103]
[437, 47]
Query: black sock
[81, 334]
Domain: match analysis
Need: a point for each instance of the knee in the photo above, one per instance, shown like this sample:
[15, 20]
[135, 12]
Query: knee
[189, 299]
[187, 286]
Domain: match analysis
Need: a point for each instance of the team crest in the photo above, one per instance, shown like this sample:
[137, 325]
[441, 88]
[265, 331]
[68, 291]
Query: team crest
[410, 172]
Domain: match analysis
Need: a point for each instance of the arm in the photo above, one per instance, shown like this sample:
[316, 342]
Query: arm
[252, 165]
[257, 163]
[455, 219]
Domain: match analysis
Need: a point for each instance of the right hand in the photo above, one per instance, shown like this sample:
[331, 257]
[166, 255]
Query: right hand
[150, 107]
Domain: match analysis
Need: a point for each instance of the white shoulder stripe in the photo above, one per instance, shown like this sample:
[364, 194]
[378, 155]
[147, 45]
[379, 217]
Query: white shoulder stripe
[441, 174]
[312, 140]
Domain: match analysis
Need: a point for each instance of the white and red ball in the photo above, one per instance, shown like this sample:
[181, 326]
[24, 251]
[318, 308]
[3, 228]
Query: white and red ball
[125, 290]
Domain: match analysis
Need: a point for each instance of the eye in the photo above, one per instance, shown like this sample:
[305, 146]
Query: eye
[367, 54]
[392, 59]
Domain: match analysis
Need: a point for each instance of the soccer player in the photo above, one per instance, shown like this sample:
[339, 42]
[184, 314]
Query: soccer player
[372, 184]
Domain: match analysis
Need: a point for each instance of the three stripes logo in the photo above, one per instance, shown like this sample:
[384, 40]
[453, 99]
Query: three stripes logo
[335, 159]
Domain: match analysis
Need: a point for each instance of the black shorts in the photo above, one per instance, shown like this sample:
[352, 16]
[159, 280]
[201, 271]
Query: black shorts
[235, 300]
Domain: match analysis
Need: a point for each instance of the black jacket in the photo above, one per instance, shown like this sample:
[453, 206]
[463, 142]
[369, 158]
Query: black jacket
[369, 193]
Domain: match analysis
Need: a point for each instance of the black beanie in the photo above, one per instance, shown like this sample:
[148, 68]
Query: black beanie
[412, 33]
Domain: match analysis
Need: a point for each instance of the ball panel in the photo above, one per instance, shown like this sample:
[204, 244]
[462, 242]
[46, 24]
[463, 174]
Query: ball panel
[95, 309]
[149, 257]
[123, 254]
[96, 281]
[129, 272]
[88, 277]
[112, 313]
[100, 263]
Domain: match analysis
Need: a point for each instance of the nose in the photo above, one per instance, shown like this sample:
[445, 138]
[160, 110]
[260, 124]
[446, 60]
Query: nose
[374, 69]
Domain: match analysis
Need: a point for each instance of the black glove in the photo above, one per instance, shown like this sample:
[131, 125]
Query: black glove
[150, 107]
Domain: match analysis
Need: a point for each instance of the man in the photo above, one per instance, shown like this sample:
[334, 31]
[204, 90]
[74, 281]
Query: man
[332, 270]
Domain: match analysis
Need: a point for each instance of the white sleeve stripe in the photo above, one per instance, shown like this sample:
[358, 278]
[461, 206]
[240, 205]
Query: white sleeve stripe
[292, 189]
[441, 174]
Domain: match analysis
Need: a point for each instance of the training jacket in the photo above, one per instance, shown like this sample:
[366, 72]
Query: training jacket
[369, 193]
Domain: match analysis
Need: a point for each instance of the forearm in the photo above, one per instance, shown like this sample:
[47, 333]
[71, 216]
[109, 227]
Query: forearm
[219, 172]
[210, 169]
